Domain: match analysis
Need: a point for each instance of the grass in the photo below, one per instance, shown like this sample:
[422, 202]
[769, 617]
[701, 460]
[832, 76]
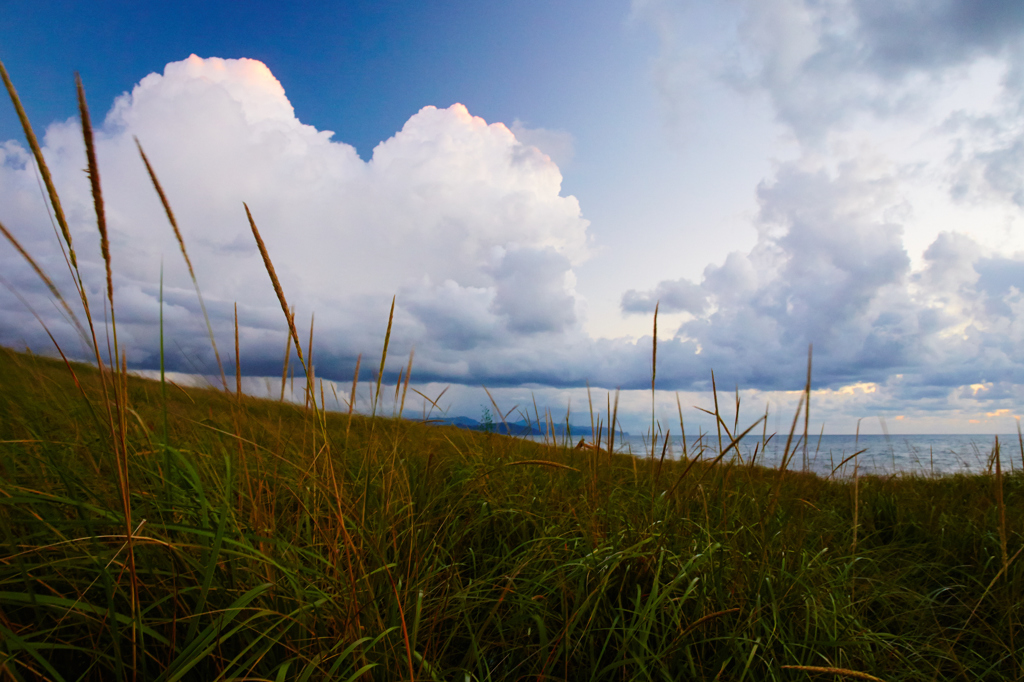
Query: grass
[152, 532]
[271, 548]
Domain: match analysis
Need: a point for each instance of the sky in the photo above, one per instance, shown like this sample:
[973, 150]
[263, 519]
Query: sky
[528, 180]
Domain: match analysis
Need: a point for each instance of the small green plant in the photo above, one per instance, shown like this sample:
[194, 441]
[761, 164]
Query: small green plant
[487, 421]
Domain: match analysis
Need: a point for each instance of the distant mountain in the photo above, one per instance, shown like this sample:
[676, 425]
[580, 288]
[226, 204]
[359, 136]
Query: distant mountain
[518, 428]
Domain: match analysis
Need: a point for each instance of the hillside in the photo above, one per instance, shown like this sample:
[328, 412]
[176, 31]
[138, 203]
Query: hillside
[270, 541]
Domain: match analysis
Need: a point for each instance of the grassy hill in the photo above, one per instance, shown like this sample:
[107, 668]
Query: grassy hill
[274, 542]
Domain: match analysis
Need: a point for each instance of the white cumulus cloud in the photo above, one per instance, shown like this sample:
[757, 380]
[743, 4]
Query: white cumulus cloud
[463, 222]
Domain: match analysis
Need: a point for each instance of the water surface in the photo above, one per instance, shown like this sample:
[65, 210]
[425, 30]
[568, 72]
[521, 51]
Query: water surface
[921, 454]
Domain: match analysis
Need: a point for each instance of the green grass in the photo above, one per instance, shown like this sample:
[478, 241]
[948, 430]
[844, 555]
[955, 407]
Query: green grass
[271, 548]
[151, 532]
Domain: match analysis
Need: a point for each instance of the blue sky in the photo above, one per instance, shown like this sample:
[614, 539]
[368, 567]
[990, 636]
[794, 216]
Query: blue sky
[776, 173]
[360, 69]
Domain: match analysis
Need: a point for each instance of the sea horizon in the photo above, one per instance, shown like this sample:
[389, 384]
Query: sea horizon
[834, 454]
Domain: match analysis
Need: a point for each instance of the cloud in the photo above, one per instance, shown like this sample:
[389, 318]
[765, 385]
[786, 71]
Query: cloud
[559, 145]
[889, 230]
[679, 295]
[462, 221]
[533, 291]
[466, 224]
[836, 64]
[824, 64]
[935, 89]
[899, 37]
[830, 268]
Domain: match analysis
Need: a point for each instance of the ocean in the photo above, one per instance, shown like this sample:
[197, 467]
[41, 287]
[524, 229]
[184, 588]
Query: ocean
[920, 454]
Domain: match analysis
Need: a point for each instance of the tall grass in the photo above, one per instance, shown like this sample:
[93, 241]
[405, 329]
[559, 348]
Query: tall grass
[499, 558]
[165, 533]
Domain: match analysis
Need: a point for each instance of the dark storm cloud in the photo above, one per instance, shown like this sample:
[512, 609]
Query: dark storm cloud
[921, 34]
[822, 64]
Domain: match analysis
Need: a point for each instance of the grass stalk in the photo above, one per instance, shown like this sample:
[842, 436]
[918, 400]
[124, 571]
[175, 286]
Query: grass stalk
[1020, 442]
[807, 403]
[682, 426]
[352, 398]
[654, 374]
[383, 357]
[717, 415]
[612, 423]
[44, 171]
[841, 672]
[661, 462]
[786, 456]
[163, 398]
[1001, 507]
[310, 370]
[269, 265]
[120, 383]
[501, 414]
[590, 406]
[46, 280]
[238, 361]
[58, 211]
[856, 528]
[595, 441]
[287, 357]
[405, 386]
[188, 261]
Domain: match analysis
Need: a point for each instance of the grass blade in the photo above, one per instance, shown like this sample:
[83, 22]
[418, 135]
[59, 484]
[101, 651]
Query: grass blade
[383, 357]
[184, 253]
[277, 288]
